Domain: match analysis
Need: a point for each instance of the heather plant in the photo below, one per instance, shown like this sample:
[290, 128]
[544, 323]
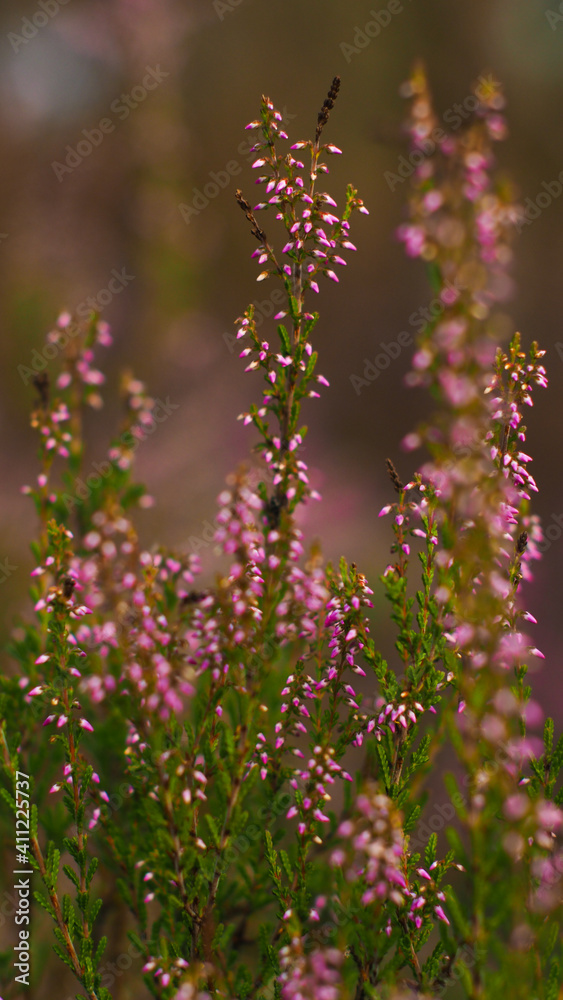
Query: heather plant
[231, 765]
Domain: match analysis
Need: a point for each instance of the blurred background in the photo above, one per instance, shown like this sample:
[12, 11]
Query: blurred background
[80, 204]
[177, 81]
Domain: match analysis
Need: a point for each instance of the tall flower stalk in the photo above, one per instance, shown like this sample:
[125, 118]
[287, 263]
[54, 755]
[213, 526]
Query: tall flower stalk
[479, 488]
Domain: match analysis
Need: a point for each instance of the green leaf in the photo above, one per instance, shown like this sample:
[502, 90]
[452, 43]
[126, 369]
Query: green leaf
[421, 754]
[284, 337]
[310, 366]
[384, 765]
[551, 938]
[430, 851]
[101, 948]
[456, 844]
[52, 863]
[553, 982]
[91, 871]
[44, 902]
[412, 818]
[71, 874]
[34, 819]
[458, 798]
[8, 799]
[557, 759]
[286, 865]
[456, 912]
[64, 957]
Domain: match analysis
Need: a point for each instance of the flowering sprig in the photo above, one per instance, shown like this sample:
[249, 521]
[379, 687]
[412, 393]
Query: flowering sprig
[478, 476]
[58, 671]
[311, 249]
[377, 872]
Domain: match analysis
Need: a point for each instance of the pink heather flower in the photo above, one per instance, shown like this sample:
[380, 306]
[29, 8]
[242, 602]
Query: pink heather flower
[549, 816]
[423, 874]
[315, 976]
[441, 915]
[94, 820]
[516, 806]
[86, 725]
[320, 816]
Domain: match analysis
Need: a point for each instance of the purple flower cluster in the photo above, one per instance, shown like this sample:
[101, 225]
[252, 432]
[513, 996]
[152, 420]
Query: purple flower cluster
[315, 976]
[376, 837]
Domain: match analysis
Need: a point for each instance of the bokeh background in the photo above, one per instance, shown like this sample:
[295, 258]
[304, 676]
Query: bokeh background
[63, 234]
